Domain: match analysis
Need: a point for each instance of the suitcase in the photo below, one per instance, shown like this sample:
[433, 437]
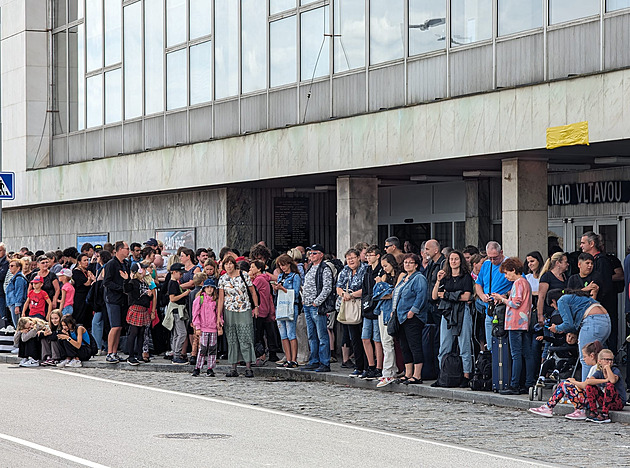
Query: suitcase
[430, 349]
[501, 364]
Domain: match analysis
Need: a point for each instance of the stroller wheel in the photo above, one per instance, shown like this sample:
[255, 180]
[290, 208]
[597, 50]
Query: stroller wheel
[539, 394]
[531, 393]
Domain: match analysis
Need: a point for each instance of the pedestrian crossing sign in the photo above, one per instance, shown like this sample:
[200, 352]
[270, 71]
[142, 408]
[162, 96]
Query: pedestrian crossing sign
[7, 186]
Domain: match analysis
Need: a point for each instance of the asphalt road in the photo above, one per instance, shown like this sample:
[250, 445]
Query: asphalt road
[65, 418]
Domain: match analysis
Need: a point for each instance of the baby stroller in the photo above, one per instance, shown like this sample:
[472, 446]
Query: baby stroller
[562, 362]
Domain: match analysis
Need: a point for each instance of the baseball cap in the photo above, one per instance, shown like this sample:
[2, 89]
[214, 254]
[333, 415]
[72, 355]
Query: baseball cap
[177, 267]
[37, 279]
[98, 247]
[152, 242]
[65, 272]
[210, 282]
[318, 247]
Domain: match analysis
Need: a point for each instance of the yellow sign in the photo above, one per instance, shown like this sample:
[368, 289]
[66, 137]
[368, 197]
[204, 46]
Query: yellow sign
[567, 135]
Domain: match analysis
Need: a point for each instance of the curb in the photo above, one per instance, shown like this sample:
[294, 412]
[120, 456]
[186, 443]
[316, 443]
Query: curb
[453, 394]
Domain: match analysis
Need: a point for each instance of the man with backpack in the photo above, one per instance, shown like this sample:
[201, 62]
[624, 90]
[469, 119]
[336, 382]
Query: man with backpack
[318, 298]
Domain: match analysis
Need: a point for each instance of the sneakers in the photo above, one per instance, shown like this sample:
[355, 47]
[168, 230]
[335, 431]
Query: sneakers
[598, 418]
[23, 361]
[74, 363]
[132, 361]
[281, 362]
[63, 363]
[30, 362]
[323, 368]
[101, 352]
[179, 361]
[249, 373]
[10, 329]
[15, 350]
[385, 381]
[195, 373]
[356, 373]
[347, 364]
[369, 374]
[210, 373]
[577, 415]
[510, 391]
[543, 410]
[110, 359]
[49, 362]
[311, 367]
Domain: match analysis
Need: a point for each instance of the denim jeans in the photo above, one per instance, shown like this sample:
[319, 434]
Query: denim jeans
[521, 350]
[4, 312]
[97, 329]
[464, 339]
[594, 327]
[318, 339]
[488, 324]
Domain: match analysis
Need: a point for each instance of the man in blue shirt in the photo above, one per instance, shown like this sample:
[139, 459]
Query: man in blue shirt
[491, 280]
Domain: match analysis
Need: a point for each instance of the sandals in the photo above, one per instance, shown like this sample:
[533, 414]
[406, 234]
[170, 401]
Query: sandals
[402, 380]
[413, 381]
[232, 373]
[249, 373]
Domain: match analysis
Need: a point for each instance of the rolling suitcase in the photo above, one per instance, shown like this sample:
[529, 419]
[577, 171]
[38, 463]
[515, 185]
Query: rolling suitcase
[501, 364]
[430, 349]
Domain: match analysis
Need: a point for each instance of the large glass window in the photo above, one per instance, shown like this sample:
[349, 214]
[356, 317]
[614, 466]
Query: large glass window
[94, 34]
[427, 26]
[201, 73]
[225, 48]
[201, 18]
[133, 60]
[254, 45]
[154, 56]
[113, 96]
[282, 38]
[176, 79]
[314, 46]
[95, 101]
[471, 21]
[112, 33]
[519, 15]
[59, 13]
[349, 24]
[61, 83]
[76, 40]
[612, 5]
[75, 10]
[276, 6]
[567, 10]
[175, 22]
[386, 30]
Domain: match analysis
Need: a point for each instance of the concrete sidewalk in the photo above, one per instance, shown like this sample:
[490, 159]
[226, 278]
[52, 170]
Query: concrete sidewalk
[341, 377]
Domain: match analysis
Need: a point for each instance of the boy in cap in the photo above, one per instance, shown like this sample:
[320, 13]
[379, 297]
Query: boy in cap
[176, 313]
[36, 300]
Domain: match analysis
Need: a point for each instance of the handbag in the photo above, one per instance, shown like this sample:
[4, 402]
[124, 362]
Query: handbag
[350, 312]
[285, 308]
[393, 326]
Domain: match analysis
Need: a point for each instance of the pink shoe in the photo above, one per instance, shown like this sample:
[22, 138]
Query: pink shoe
[544, 410]
[577, 415]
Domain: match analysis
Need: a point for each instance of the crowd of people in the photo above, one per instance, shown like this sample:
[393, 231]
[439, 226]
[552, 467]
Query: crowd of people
[396, 314]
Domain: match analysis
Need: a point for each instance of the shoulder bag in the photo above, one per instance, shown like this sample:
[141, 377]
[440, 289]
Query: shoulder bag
[350, 311]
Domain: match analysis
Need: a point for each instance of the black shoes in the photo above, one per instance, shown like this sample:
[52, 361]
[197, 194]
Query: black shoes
[510, 391]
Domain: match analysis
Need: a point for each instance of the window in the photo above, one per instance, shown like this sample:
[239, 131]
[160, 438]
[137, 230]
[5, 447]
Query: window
[60, 80]
[153, 56]
[254, 45]
[201, 73]
[176, 79]
[386, 30]
[314, 46]
[612, 5]
[76, 38]
[112, 33]
[517, 15]
[95, 101]
[75, 10]
[561, 11]
[471, 21]
[94, 34]
[59, 13]
[349, 41]
[427, 26]
[175, 22]
[133, 60]
[276, 6]
[113, 96]
[225, 48]
[201, 18]
[283, 51]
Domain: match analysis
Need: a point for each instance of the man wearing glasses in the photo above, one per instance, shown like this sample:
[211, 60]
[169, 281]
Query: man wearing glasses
[392, 246]
[491, 280]
[318, 300]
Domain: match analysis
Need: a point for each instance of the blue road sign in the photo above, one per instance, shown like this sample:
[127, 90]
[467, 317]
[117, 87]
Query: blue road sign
[7, 186]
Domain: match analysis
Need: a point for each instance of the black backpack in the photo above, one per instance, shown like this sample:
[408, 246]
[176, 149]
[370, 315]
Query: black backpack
[482, 379]
[452, 370]
[93, 345]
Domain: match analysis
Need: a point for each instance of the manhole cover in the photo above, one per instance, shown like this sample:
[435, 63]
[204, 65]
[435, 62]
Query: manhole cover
[193, 435]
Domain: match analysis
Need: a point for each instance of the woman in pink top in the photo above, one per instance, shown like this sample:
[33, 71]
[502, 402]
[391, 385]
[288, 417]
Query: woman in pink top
[266, 320]
[518, 307]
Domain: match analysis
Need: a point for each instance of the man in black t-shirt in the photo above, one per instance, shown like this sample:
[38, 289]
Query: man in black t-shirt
[586, 279]
[371, 331]
[178, 297]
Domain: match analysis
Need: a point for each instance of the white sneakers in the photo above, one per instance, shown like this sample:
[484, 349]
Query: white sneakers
[70, 363]
[30, 362]
[63, 363]
[10, 329]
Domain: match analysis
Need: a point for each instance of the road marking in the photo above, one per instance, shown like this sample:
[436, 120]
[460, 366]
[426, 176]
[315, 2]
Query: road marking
[303, 418]
[56, 453]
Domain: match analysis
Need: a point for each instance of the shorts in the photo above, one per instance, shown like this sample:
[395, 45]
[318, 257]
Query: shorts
[370, 330]
[114, 312]
[287, 327]
[67, 310]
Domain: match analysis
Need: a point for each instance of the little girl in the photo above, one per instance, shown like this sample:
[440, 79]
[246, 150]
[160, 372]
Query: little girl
[67, 291]
[139, 314]
[605, 389]
[207, 323]
[571, 389]
[51, 348]
[25, 339]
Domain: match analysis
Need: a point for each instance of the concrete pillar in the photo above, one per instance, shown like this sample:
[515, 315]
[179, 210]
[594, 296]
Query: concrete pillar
[524, 201]
[240, 229]
[357, 212]
[478, 221]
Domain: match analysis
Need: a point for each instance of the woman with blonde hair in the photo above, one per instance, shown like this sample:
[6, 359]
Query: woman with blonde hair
[25, 339]
[552, 276]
